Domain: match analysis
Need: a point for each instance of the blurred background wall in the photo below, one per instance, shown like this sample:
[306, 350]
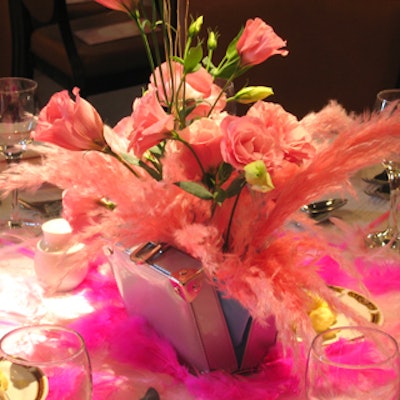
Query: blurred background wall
[5, 40]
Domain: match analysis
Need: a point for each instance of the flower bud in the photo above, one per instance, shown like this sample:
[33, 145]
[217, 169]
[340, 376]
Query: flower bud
[257, 176]
[127, 6]
[251, 94]
[195, 27]
[212, 41]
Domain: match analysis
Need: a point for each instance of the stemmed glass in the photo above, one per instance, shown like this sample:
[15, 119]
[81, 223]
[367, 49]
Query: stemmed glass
[353, 363]
[390, 235]
[45, 362]
[18, 113]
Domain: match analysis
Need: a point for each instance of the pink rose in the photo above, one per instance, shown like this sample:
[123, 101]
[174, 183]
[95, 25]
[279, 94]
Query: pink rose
[259, 42]
[119, 5]
[151, 123]
[74, 125]
[293, 139]
[204, 135]
[245, 139]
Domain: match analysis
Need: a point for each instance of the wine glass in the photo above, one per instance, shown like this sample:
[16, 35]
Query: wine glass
[18, 113]
[353, 363]
[45, 362]
[390, 235]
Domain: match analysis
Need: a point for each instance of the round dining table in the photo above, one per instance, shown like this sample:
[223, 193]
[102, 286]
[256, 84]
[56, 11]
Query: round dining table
[129, 360]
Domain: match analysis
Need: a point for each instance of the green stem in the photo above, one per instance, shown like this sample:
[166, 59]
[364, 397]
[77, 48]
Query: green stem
[228, 230]
[181, 115]
[210, 55]
[220, 95]
[108, 150]
[184, 142]
[157, 52]
[136, 17]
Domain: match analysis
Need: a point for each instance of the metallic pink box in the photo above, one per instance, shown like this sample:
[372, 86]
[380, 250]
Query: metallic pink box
[170, 289]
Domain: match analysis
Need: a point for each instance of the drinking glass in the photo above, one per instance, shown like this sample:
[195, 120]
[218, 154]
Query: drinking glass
[390, 235]
[18, 113]
[353, 363]
[45, 362]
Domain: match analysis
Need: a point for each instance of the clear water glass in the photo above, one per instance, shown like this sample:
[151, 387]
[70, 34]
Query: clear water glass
[390, 235]
[46, 361]
[18, 114]
[353, 363]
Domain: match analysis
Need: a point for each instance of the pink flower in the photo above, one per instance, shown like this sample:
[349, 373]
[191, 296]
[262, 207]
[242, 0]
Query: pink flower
[118, 137]
[119, 5]
[259, 42]
[293, 139]
[245, 139]
[167, 79]
[74, 125]
[151, 123]
[204, 135]
[199, 88]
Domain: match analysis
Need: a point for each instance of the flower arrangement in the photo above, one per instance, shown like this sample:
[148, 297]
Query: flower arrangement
[224, 188]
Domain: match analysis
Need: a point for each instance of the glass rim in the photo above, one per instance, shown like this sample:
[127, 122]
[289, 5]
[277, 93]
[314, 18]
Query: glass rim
[33, 85]
[321, 356]
[382, 93]
[81, 349]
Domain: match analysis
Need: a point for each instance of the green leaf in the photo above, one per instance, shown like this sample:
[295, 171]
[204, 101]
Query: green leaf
[130, 159]
[231, 51]
[192, 59]
[207, 62]
[220, 196]
[177, 59]
[157, 166]
[196, 189]
[229, 69]
[158, 150]
[184, 112]
[224, 172]
[209, 179]
[236, 186]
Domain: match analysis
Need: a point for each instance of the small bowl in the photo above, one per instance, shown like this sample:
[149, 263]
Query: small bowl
[62, 270]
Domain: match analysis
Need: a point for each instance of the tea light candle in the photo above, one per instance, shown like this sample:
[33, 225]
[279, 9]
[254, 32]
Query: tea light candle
[56, 233]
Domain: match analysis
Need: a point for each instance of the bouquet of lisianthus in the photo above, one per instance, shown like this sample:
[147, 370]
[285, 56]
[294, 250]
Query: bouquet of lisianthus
[181, 170]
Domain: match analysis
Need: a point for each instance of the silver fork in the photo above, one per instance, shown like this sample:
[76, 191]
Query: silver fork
[379, 192]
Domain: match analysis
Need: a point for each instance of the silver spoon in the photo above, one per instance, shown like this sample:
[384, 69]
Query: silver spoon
[320, 210]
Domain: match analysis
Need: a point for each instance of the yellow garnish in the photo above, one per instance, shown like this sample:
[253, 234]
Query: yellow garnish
[3, 381]
[321, 315]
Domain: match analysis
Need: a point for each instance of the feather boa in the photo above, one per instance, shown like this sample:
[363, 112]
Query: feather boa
[269, 264]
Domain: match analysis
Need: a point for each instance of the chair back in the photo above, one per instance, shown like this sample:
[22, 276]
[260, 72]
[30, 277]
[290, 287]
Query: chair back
[45, 37]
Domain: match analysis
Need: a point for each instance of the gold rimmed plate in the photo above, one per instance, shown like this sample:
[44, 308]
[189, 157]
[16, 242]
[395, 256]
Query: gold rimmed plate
[23, 382]
[360, 304]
